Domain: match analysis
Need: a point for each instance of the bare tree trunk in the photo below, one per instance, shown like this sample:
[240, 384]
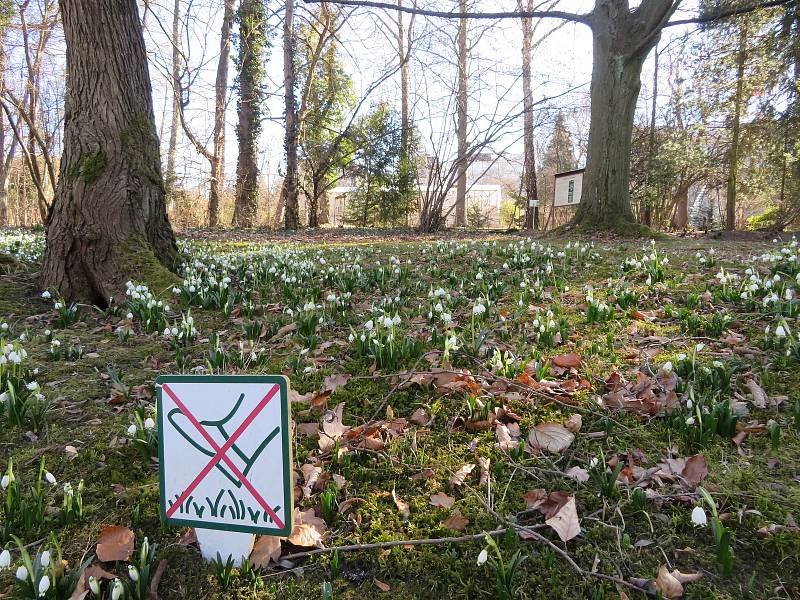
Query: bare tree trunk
[289, 189]
[109, 222]
[733, 153]
[220, 103]
[529, 166]
[461, 133]
[681, 217]
[403, 51]
[170, 176]
[621, 41]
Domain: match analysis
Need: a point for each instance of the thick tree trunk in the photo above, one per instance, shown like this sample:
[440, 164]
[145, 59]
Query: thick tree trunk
[461, 133]
[733, 152]
[170, 176]
[109, 222]
[647, 209]
[621, 41]
[529, 167]
[681, 217]
[289, 189]
[220, 102]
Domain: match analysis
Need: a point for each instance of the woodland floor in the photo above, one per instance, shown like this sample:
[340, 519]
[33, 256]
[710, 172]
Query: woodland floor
[617, 364]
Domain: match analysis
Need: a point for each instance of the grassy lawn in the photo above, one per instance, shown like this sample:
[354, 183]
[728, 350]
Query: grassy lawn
[503, 381]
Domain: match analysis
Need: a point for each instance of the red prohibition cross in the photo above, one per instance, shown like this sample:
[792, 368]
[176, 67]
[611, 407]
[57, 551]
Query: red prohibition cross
[221, 453]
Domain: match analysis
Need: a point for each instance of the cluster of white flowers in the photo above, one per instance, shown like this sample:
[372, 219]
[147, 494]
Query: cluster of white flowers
[25, 247]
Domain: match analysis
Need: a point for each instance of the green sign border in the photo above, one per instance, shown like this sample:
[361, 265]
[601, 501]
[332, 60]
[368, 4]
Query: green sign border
[288, 500]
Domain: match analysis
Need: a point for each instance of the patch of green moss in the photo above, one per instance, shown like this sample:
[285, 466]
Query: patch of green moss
[140, 264]
[89, 167]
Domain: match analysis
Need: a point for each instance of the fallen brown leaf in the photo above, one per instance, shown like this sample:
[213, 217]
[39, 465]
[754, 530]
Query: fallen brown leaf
[267, 549]
[456, 521]
[115, 543]
[552, 437]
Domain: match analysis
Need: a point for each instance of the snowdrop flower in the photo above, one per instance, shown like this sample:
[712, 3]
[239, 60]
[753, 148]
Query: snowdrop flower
[44, 559]
[699, 347]
[331, 298]
[49, 477]
[479, 276]
[94, 585]
[149, 423]
[593, 462]
[447, 318]
[44, 585]
[478, 309]
[780, 331]
[46, 295]
[387, 321]
[5, 559]
[133, 573]
[132, 430]
[690, 421]
[369, 325]
[5, 480]
[351, 338]
[116, 590]
[22, 573]
[649, 280]
[699, 517]
[363, 338]
[396, 320]
[483, 557]
[681, 357]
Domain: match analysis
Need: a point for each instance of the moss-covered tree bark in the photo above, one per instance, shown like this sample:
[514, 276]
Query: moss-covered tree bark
[109, 222]
[250, 62]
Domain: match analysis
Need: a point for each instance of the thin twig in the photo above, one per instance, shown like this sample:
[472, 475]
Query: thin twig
[393, 543]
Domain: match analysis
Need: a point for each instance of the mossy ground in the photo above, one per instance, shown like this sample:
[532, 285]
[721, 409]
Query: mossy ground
[622, 538]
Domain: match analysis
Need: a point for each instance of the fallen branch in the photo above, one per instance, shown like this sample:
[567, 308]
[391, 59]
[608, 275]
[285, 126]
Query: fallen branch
[380, 545]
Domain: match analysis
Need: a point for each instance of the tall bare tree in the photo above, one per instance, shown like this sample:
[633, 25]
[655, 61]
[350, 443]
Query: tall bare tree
[290, 190]
[461, 118]
[529, 159]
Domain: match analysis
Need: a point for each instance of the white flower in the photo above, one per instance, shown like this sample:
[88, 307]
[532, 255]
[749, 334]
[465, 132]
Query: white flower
[780, 331]
[369, 325]
[5, 559]
[483, 556]
[593, 462]
[44, 585]
[149, 423]
[44, 559]
[49, 477]
[387, 321]
[690, 421]
[22, 573]
[133, 573]
[667, 367]
[116, 591]
[699, 517]
[46, 295]
[5, 481]
[699, 347]
[94, 585]
[132, 430]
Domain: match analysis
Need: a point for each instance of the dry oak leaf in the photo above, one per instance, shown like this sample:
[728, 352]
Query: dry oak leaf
[308, 529]
[670, 584]
[332, 428]
[760, 398]
[330, 383]
[402, 506]
[456, 521]
[505, 438]
[567, 361]
[460, 476]
[552, 437]
[420, 417]
[267, 549]
[574, 423]
[535, 498]
[578, 474]
[115, 543]
[442, 500]
[695, 470]
[565, 522]
[484, 462]
[384, 587]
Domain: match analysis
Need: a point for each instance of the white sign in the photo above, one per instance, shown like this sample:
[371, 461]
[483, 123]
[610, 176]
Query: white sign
[225, 458]
[533, 203]
[568, 188]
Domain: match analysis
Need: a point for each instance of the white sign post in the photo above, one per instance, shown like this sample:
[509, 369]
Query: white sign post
[225, 459]
[568, 188]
